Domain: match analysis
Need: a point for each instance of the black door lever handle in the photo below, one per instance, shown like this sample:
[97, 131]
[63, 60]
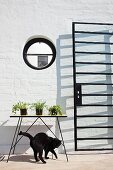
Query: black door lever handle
[78, 95]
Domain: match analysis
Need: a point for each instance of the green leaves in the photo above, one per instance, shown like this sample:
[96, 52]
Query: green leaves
[55, 110]
[20, 105]
[38, 105]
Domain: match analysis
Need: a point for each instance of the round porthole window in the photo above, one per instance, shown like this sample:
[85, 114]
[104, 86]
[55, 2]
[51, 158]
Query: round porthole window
[39, 53]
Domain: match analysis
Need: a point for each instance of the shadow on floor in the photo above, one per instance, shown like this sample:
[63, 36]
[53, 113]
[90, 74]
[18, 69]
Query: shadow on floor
[2, 158]
[23, 158]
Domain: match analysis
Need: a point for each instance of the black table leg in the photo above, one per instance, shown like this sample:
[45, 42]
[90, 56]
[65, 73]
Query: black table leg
[17, 134]
[13, 138]
[2, 157]
[56, 136]
[17, 129]
[62, 138]
[25, 131]
[48, 127]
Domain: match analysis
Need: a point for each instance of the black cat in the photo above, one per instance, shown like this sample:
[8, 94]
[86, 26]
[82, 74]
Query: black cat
[41, 142]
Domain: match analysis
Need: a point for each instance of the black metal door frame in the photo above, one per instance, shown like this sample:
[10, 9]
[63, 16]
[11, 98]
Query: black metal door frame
[77, 87]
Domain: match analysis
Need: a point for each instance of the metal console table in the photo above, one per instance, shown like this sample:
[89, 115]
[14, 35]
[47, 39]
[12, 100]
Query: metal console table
[18, 127]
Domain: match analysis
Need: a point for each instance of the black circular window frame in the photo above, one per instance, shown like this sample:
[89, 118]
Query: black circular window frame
[35, 40]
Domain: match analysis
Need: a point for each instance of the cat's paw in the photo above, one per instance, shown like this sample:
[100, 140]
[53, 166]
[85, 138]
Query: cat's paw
[37, 160]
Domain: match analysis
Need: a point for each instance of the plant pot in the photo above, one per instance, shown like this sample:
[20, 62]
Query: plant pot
[53, 113]
[39, 111]
[23, 111]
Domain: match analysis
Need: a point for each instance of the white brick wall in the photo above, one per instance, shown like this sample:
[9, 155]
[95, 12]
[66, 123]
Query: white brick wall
[21, 20]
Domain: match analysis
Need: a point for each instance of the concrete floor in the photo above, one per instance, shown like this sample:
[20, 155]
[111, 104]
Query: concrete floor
[77, 161]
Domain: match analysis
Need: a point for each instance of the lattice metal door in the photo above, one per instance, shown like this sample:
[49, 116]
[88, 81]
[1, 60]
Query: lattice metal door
[93, 85]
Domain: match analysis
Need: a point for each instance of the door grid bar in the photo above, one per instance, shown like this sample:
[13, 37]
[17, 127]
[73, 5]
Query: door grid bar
[77, 86]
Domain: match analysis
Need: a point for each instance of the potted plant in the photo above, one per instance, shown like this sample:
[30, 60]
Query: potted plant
[22, 106]
[55, 110]
[38, 106]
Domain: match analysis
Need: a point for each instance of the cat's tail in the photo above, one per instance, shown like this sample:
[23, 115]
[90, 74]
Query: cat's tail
[26, 134]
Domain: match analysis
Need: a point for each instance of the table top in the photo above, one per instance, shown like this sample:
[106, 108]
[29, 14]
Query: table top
[34, 116]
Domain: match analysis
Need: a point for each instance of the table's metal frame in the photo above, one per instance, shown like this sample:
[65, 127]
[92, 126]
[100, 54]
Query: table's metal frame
[17, 130]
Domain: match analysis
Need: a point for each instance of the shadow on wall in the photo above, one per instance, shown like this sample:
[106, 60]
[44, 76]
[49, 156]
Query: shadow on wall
[64, 65]
[7, 132]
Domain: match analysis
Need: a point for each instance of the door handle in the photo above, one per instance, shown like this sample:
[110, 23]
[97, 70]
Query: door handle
[78, 94]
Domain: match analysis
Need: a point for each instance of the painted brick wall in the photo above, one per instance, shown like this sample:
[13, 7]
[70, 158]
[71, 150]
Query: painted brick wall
[21, 20]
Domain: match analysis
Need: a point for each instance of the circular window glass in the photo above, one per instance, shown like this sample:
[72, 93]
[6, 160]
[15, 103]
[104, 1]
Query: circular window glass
[39, 53]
